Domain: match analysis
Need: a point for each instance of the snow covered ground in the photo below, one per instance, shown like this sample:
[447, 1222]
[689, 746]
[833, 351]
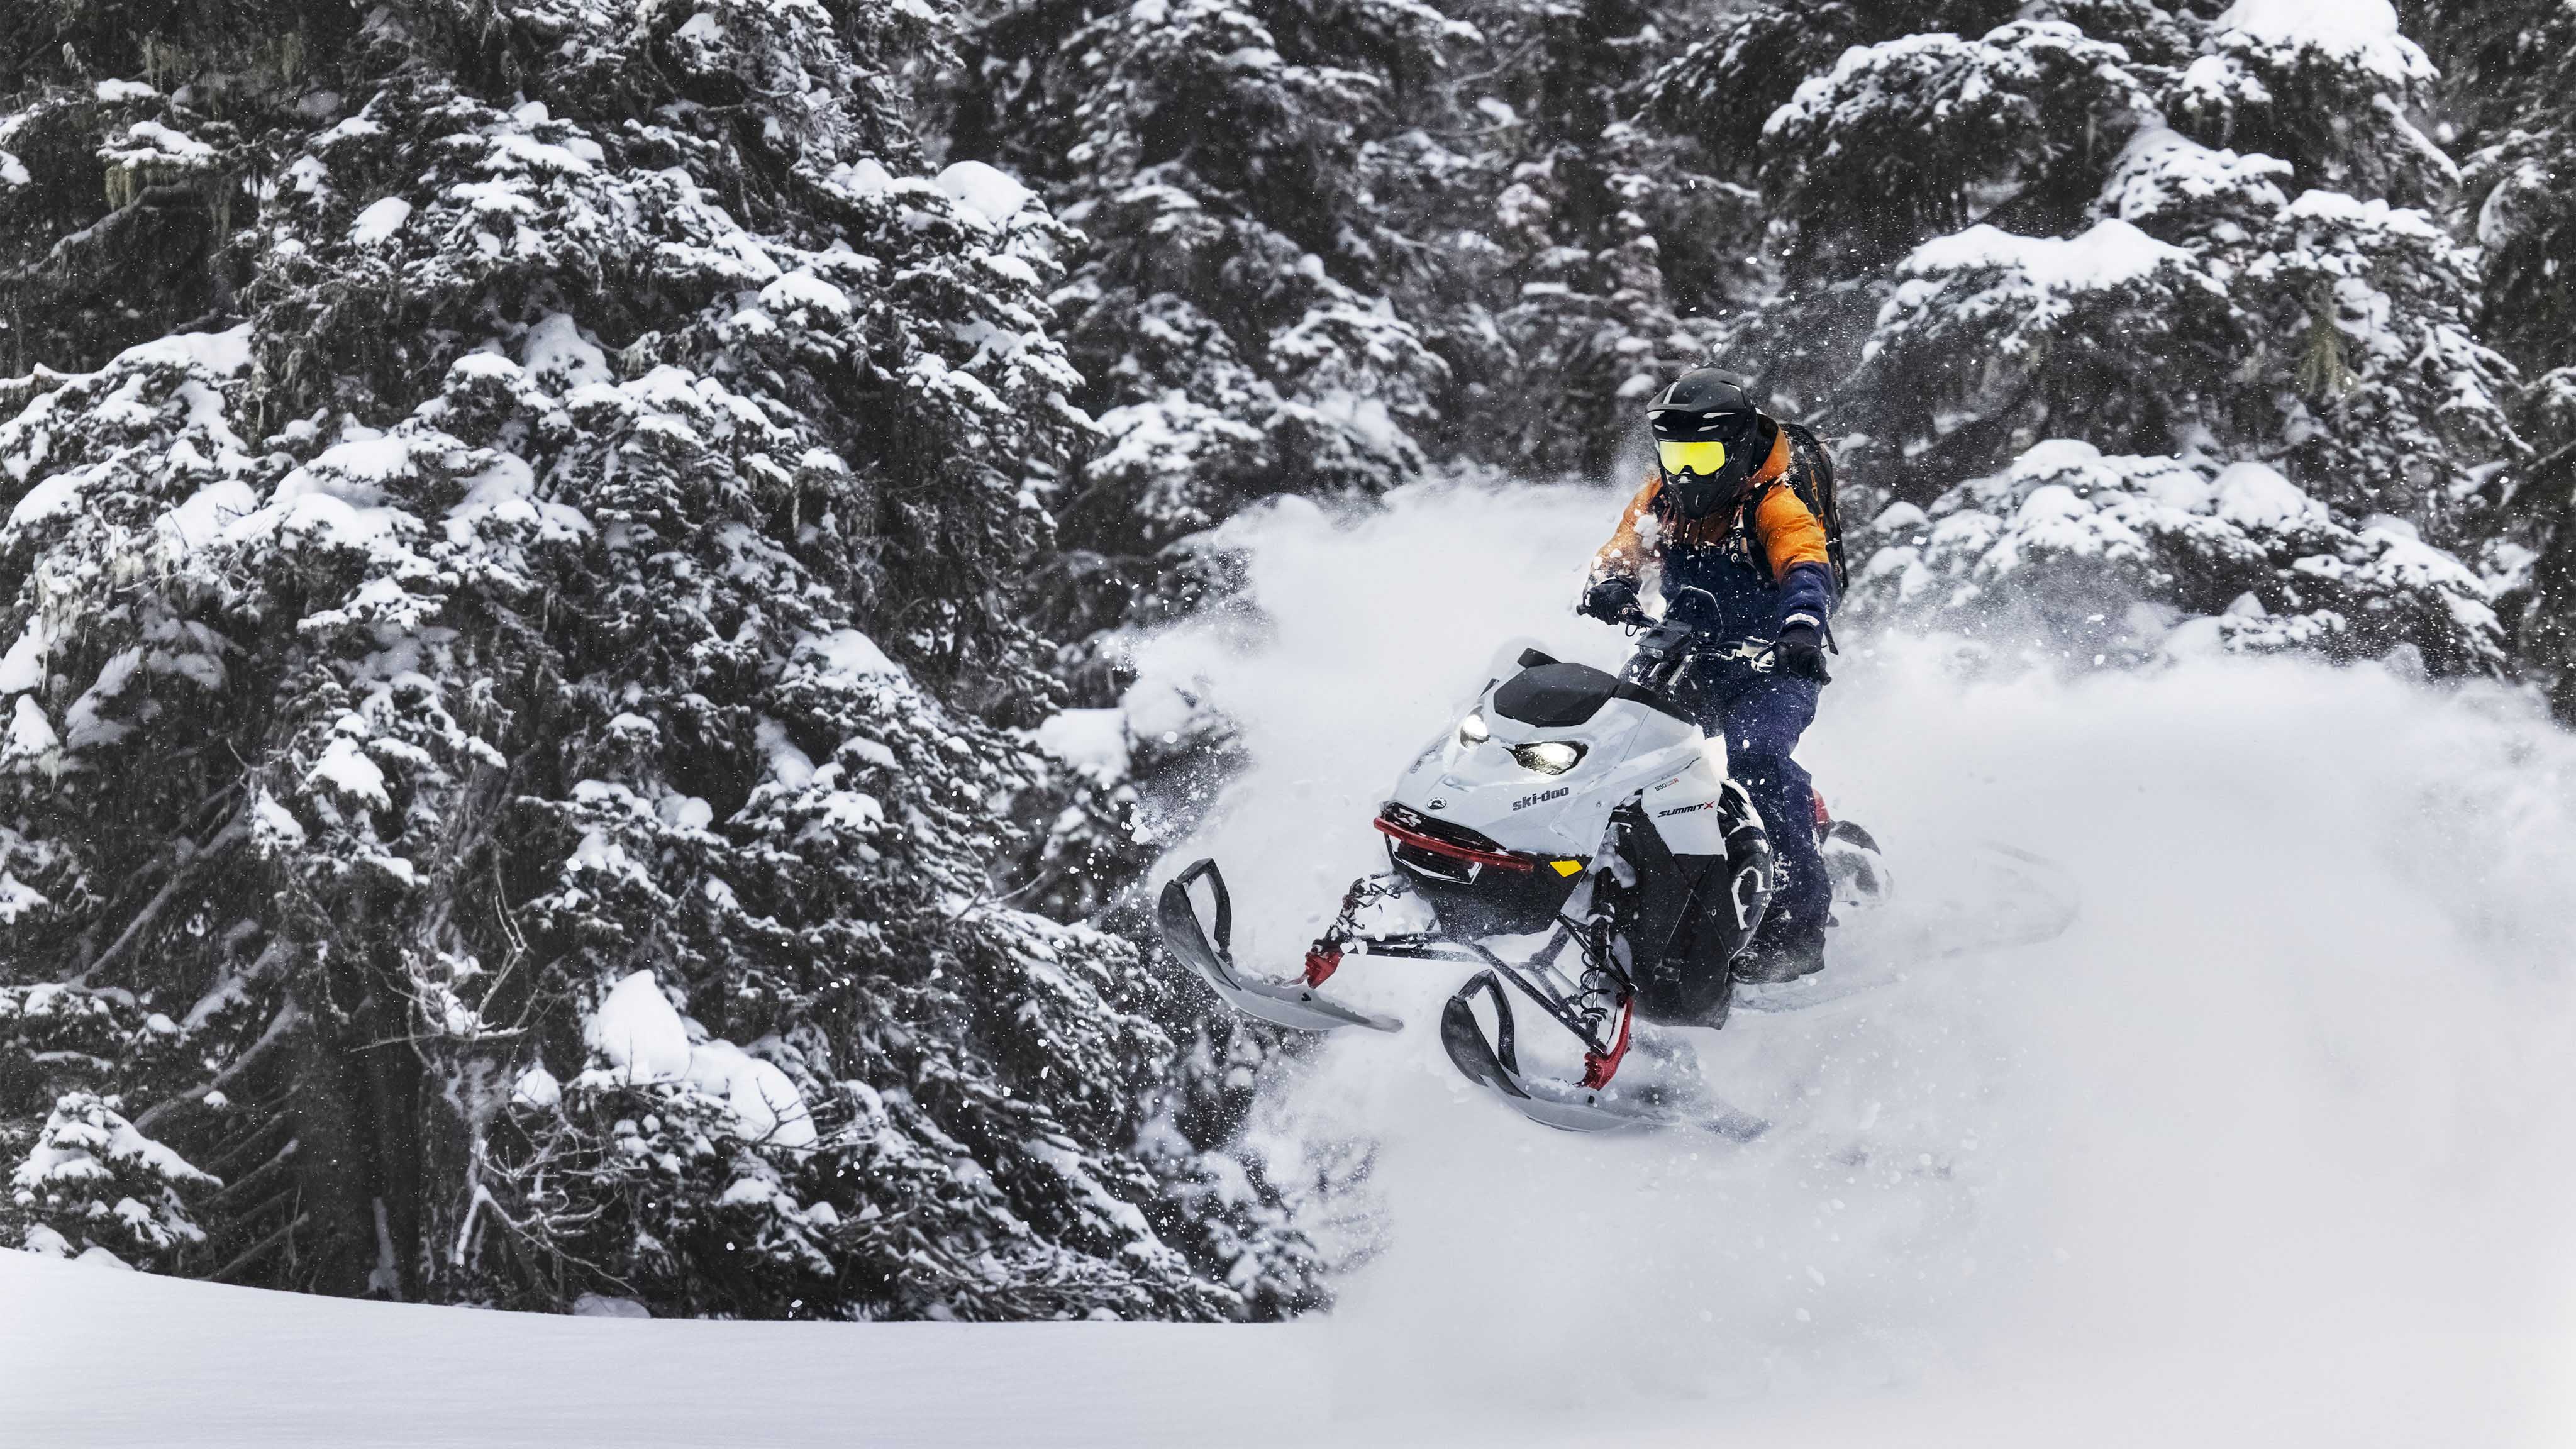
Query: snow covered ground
[92, 1356]
[2269, 1150]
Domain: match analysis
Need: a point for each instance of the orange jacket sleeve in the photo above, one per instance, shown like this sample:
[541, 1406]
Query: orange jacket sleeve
[1791, 535]
[1630, 547]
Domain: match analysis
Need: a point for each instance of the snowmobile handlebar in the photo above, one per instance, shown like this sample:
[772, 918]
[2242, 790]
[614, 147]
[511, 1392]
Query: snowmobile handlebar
[1675, 655]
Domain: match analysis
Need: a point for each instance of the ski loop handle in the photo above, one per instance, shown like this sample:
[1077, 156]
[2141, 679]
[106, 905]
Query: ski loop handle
[1505, 1049]
[1495, 1064]
[1224, 933]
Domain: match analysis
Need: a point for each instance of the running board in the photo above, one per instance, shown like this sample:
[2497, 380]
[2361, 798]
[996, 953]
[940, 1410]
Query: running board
[1293, 1005]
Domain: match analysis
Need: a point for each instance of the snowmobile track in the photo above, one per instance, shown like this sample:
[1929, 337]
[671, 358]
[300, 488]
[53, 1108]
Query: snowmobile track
[2048, 905]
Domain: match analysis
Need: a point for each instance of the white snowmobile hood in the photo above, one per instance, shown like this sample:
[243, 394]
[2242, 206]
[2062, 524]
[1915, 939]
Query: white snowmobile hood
[1627, 747]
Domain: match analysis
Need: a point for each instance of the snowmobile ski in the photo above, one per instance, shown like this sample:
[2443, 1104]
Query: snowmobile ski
[1290, 1004]
[1617, 1106]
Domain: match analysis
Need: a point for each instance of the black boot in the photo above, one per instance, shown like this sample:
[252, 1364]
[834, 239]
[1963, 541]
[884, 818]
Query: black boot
[1771, 962]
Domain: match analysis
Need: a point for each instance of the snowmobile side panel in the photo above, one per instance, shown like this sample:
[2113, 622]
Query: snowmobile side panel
[1289, 1004]
[1686, 811]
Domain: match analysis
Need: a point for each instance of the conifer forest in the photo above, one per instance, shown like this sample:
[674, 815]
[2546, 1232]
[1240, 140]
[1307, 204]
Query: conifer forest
[570, 726]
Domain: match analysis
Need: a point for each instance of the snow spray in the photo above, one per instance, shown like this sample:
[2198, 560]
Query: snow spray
[2295, 1084]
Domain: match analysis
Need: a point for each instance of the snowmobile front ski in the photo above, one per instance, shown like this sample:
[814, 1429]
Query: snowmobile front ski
[1299, 1005]
[1602, 1102]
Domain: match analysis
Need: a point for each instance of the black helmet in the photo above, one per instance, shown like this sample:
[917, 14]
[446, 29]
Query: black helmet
[1709, 438]
[1705, 404]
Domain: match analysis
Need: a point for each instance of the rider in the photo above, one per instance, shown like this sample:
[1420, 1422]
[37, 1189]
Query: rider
[1719, 515]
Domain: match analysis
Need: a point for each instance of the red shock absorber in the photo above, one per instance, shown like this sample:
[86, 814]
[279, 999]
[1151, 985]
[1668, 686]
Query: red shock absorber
[1600, 1067]
[1325, 956]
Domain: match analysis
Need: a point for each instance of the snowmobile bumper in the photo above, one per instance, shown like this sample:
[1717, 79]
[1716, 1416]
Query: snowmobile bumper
[1478, 887]
[1289, 1004]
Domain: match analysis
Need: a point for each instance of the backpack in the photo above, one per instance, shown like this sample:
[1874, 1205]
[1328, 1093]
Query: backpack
[1810, 475]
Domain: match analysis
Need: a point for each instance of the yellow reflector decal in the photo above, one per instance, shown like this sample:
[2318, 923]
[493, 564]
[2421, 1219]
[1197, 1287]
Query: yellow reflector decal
[1566, 867]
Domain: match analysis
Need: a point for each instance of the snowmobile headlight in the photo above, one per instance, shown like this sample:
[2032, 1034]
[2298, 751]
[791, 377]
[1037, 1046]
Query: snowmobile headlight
[1549, 757]
[1472, 731]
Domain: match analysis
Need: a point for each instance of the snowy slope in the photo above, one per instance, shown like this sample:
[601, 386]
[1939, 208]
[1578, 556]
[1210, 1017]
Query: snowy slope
[91, 1356]
[2268, 1151]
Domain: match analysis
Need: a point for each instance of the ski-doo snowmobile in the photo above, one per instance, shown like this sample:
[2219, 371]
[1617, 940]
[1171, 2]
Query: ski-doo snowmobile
[1586, 809]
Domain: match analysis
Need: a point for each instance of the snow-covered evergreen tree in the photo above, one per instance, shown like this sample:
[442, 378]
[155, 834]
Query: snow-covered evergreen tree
[91, 1183]
[1586, 257]
[2507, 71]
[1229, 312]
[2062, 229]
[2128, 557]
[2334, 89]
[558, 576]
[1722, 89]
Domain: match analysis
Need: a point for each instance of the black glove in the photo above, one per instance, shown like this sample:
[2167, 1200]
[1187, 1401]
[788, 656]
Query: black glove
[1800, 651]
[1612, 601]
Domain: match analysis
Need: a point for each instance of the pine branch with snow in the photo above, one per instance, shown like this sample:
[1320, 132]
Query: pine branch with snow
[92, 1183]
[2084, 559]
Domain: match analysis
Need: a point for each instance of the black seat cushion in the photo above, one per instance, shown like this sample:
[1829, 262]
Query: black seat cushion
[1553, 696]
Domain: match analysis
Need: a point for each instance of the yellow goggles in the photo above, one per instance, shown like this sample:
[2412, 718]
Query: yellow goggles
[1703, 458]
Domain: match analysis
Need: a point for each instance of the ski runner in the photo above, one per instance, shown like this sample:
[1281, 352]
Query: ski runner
[1722, 514]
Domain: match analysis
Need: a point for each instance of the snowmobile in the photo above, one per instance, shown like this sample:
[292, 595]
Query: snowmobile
[1584, 816]
[1577, 840]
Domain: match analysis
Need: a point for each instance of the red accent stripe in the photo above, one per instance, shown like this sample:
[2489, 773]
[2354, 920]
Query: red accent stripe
[1455, 852]
[1823, 816]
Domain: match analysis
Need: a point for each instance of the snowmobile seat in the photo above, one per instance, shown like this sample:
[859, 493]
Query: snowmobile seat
[1559, 696]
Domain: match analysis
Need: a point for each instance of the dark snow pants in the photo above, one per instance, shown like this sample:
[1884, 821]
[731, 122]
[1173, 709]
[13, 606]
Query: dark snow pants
[1761, 719]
